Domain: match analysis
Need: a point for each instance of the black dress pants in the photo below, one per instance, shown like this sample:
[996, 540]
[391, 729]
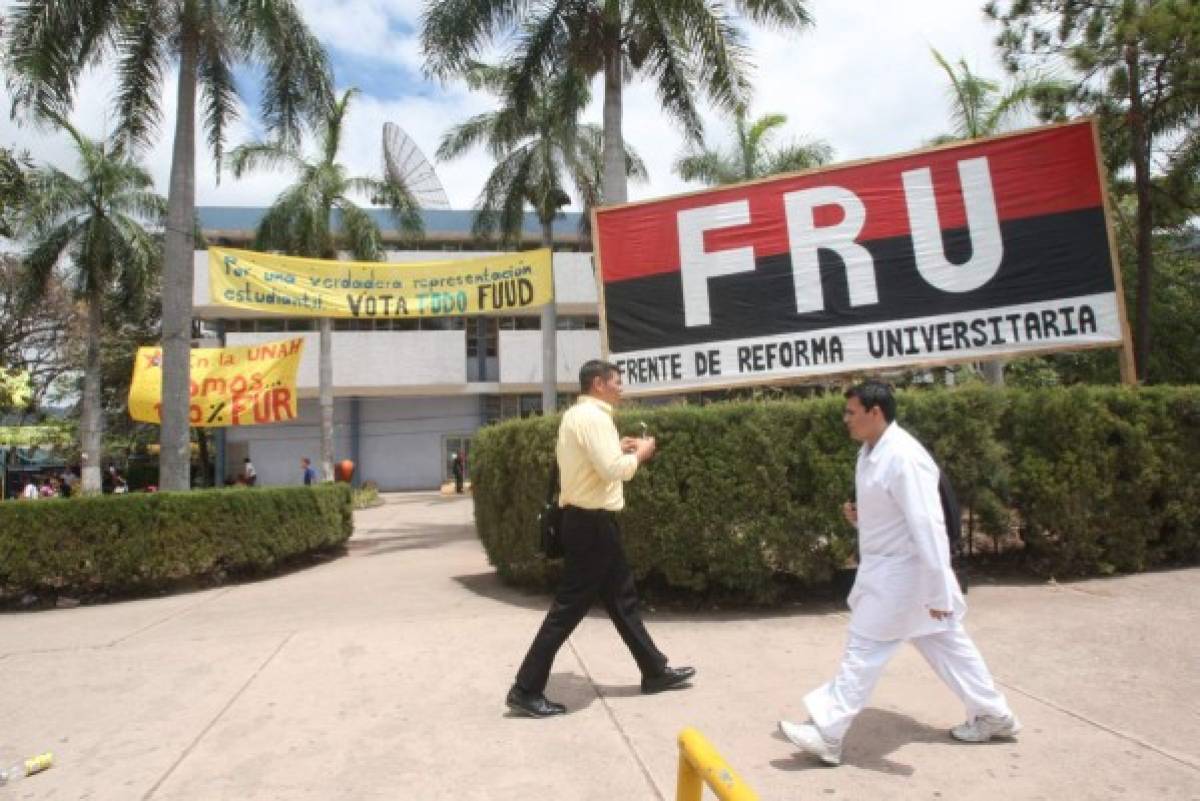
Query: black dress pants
[594, 566]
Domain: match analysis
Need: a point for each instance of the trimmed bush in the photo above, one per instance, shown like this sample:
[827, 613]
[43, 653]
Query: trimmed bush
[743, 499]
[139, 543]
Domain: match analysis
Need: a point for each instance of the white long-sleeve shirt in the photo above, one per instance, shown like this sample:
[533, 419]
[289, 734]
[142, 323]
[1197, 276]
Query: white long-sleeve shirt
[904, 557]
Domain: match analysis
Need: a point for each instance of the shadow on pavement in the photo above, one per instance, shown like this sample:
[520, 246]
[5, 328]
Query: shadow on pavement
[875, 734]
[578, 693]
[379, 541]
[489, 585]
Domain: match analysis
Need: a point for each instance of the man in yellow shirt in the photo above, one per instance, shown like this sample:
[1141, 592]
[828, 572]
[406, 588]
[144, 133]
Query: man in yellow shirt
[594, 461]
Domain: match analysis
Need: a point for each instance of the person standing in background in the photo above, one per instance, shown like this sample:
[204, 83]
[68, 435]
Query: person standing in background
[310, 474]
[457, 470]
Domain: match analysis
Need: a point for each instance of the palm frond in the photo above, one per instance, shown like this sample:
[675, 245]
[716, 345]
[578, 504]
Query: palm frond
[778, 13]
[360, 233]
[331, 125]
[503, 191]
[759, 134]
[297, 84]
[47, 45]
[215, 75]
[146, 206]
[796, 157]
[708, 167]
[464, 136]
[453, 31]
[141, 47]
[40, 260]
[264, 155]
[540, 48]
[667, 61]
[717, 48]
[53, 196]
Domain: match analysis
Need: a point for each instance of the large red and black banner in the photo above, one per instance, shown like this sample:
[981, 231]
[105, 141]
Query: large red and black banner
[972, 251]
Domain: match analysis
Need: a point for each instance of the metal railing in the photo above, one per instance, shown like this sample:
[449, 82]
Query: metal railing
[700, 764]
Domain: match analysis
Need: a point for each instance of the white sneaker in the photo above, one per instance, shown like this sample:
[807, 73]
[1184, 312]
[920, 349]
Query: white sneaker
[808, 738]
[982, 728]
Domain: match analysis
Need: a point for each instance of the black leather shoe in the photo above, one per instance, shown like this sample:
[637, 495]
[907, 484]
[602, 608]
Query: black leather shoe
[535, 705]
[668, 679]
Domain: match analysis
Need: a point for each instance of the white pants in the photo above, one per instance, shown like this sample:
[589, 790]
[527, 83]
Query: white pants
[951, 654]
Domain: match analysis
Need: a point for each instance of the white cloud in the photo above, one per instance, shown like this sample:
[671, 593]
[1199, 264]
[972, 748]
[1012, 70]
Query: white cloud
[863, 80]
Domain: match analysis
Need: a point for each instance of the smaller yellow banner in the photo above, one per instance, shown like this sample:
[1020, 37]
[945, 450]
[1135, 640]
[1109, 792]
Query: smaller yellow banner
[379, 290]
[242, 386]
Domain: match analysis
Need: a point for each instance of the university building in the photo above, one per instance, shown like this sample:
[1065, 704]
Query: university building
[407, 393]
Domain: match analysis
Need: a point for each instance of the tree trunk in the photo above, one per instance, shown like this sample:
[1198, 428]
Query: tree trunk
[993, 372]
[325, 379]
[91, 426]
[174, 436]
[549, 333]
[1140, 155]
[202, 449]
[614, 189]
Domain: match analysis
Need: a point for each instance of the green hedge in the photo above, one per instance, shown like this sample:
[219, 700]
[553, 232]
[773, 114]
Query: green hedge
[138, 543]
[743, 498]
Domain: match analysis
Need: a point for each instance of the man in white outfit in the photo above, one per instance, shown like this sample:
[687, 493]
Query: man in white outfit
[904, 590]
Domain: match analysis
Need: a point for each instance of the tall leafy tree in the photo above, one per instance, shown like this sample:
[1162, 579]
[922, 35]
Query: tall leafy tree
[540, 150]
[684, 46]
[92, 225]
[751, 155]
[1136, 65]
[983, 107]
[48, 43]
[301, 220]
[36, 339]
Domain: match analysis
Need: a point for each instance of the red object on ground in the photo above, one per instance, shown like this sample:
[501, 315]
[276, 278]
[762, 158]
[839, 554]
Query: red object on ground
[343, 470]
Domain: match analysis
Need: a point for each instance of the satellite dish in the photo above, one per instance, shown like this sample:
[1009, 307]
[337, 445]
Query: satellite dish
[404, 163]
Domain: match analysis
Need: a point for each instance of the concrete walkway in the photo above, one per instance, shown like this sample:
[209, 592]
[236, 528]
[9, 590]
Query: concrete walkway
[381, 675]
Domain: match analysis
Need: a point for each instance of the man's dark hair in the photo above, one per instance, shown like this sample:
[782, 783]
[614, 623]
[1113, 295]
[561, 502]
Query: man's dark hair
[593, 369]
[875, 393]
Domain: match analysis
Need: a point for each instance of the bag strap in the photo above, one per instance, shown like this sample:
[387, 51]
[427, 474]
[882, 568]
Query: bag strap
[552, 487]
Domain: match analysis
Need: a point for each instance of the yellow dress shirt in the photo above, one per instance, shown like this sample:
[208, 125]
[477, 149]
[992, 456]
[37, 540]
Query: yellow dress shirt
[591, 465]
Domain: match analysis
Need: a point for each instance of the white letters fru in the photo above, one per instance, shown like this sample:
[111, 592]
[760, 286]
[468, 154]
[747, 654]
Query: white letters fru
[806, 239]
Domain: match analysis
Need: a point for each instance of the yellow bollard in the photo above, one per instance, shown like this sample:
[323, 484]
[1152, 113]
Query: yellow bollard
[700, 764]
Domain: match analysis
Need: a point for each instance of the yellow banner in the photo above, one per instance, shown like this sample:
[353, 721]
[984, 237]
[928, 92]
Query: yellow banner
[242, 386]
[373, 290]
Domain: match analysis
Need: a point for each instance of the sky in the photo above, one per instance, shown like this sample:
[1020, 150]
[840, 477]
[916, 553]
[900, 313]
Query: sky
[862, 79]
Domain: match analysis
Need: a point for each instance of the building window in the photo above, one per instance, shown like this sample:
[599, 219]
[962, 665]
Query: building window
[525, 322]
[578, 322]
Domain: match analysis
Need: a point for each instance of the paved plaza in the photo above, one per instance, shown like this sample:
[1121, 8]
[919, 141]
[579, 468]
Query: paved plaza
[381, 674]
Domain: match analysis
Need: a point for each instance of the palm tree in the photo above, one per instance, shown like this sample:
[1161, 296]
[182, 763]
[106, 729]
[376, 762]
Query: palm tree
[50, 42]
[538, 147]
[301, 223]
[683, 45]
[751, 156]
[94, 225]
[981, 107]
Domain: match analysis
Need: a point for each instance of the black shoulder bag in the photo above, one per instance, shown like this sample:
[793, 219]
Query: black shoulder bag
[550, 519]
[953, 516]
